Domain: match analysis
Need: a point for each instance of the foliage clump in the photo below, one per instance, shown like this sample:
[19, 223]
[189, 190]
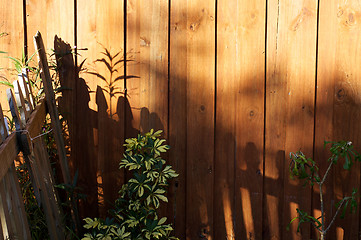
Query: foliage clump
[135, 216]
[306, 169]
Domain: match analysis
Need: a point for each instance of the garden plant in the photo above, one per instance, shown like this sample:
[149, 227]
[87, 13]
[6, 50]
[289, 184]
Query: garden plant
[135, 216]
[306, 169]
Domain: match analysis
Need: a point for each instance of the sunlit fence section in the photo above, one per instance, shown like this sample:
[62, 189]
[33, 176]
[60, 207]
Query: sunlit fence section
[236, 85]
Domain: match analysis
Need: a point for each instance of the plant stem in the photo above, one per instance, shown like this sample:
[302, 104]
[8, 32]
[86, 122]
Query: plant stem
[322, 210]
[337, 211]
[323, 231]
[327, 171]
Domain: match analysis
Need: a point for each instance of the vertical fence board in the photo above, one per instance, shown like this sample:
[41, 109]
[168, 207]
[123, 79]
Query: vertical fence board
[291, 54]
[147, 69]
[225, 144]
[239, 130]
[101, 30]
[6, 220]
[17, 211]
[43, 171]
[54, 17]
[236, 168]
[11, 42]
[133, 31]
[338, 102]
[110, 38]
[153, 55]
[178, 111]
[85, 128]
[200, 117]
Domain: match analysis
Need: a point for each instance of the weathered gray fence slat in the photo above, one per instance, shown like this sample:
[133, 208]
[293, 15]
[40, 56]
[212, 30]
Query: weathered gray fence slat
[13, 219]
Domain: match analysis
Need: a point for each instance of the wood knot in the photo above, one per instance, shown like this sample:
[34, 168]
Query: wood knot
[144, 42]
[341, 94]
[345, 93]
[350, 20]
[204, 233]
[194, 26]
[252, 112]
[347, 17]
[202, 108]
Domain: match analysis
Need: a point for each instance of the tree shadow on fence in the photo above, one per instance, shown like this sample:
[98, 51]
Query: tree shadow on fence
[96, 137]
[241, 208]
[83, 124]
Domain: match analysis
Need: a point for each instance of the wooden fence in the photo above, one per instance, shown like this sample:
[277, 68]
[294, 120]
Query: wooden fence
[28, 119]
[235, 84]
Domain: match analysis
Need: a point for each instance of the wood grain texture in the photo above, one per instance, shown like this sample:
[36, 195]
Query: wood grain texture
[101, 30]
[49, 198]
[338, 101]
[8, 152]
[239, 123]
[178, 113]
[200, 49]
[7, 221]
[16, 206]
[11, 42]
[54, 17]
[291, 54]
[51, 104]
[219, 191]
[147, 69]
[133, 34]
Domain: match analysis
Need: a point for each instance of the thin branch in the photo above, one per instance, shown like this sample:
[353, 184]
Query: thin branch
[322, 209]
[328, 169]
[338, 210]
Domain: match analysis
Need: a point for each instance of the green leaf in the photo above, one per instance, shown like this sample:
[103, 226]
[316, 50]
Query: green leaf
[6, 83]
[162, 220]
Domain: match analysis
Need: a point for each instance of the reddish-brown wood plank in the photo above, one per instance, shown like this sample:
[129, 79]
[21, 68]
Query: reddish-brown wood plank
[291, 54]
[54, 17]
[239, 123]
[8, 152]
[101, 30]
[147, 71]
[338, 112]
[200, 72]
[133, 31]
[178, 113]
[11, 41]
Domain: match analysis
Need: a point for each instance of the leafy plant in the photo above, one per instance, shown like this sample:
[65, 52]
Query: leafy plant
[73, 194]
[135, 214]
[306, 169]
[23, 62]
